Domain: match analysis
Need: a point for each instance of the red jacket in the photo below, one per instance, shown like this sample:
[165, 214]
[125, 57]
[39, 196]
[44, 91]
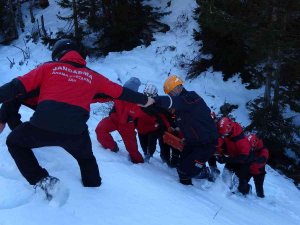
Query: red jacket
[149, 122]
[67, 89]
[261, 156]
[236, 145]
[124, 112]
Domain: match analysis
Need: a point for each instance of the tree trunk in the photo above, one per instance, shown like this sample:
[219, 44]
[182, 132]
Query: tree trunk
[268, 87]
[93, 9]
[20, 16]
[276, 88]
[31, 11]
[75, 19]
[43, 26]
[11, 32]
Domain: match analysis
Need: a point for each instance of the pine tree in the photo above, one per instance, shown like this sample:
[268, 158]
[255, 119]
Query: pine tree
[118, 24]
[125, 24]
[1, 13]
[260, 40]
[75, 29]
[8, 30]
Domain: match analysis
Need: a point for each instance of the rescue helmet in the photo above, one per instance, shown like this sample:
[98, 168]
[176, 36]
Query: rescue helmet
[225, 126]
[62, 46]
[172, 82]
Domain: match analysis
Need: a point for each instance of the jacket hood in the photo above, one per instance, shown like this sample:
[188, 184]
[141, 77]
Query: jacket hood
[73, 56]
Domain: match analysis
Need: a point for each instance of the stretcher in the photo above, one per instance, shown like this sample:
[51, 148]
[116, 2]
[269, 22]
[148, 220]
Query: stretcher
[172, 140]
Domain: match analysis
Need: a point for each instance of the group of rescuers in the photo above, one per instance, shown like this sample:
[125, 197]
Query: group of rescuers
[60, 93]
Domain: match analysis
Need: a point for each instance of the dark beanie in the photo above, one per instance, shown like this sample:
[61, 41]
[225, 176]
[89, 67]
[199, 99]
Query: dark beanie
[133, 84]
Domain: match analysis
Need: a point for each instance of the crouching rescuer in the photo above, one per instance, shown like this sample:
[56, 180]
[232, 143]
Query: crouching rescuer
[192, 117]
[67, 88]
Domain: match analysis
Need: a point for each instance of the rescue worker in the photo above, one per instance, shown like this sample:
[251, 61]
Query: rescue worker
[67, 88]
[259, 158]
[234, 150]
[121, 119]
[151, 122]
[194, 121]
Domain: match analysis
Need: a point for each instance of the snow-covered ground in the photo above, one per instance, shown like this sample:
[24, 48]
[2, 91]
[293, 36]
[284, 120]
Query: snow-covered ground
[149, 193]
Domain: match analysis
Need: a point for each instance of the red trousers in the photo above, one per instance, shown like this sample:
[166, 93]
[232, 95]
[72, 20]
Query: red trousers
[127, 132]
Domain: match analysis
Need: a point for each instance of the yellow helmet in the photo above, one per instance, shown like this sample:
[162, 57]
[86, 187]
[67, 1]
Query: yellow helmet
[172, 82]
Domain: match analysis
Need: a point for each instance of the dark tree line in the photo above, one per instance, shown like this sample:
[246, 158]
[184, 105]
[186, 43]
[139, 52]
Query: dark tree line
[104, 25]
[116, 25]
[8, 25]
[11, 18]
[260, 40]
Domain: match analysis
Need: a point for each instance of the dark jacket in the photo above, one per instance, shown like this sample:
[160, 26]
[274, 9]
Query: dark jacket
[192, 117]
[67, 89]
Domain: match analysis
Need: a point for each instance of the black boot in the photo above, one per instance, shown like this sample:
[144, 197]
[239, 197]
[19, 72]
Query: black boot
[259, 182]
[186, 181]
[183, 179]
[260, 191]
[244, 187]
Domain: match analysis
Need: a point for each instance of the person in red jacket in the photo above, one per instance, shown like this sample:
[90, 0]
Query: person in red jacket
[67, 88]
[121, 119]
[234, 150]
[259, 158]
[150, 123]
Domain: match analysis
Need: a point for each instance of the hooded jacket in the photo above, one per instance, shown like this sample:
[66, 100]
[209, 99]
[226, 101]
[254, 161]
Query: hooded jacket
[236, 145]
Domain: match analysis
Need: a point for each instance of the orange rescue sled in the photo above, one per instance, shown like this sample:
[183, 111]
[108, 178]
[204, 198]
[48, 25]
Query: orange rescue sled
[173, 141]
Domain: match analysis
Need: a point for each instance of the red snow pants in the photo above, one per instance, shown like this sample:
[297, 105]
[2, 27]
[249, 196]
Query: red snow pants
[127, 132]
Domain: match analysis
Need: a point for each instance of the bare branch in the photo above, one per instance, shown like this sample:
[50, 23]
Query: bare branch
[12, 63]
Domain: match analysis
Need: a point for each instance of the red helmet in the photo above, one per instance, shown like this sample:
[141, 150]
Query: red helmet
[225, 126]
[253, 140]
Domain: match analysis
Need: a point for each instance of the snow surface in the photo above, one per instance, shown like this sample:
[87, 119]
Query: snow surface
[148, 193]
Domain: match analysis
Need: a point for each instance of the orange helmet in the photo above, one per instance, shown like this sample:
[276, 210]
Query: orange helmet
[225, 126]
[172, 82]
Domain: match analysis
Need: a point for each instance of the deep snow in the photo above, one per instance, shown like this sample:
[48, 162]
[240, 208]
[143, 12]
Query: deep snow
[149, 193]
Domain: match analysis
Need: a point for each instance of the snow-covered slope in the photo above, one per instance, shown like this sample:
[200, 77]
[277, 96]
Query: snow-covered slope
[149, 193]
